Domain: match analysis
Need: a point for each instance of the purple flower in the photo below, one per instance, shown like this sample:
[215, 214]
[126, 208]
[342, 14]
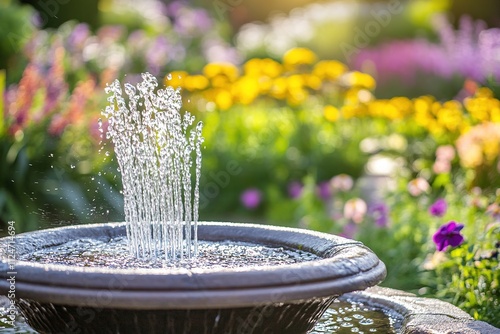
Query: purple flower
[470, 51]
[380, 213]
[349, 230]
[76, 40]
[448, 235]
[295, 189]
[438, 208]
[157, 55]
[323, 190]
[251, 198]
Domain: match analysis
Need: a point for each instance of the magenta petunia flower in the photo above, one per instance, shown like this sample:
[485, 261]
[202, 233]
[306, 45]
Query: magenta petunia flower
[438, 208]
[251, 198]
[448, 235]
[295, 189]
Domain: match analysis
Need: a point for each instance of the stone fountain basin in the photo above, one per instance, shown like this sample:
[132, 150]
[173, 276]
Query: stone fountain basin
[289, 295]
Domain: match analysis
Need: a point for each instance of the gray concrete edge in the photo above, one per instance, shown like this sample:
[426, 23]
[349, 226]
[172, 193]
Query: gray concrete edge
[421, 315]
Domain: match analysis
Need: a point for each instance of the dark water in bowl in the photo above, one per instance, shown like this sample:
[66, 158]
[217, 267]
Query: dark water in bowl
[343, 317]
[114, 253]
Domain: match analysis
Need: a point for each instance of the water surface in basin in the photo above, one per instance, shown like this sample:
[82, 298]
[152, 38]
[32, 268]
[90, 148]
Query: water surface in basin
[114, 253]
[347, 317]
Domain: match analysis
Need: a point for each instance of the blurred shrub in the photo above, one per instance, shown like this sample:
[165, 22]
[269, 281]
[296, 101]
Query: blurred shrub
[338, 29]
[16, 23]
[412, 67]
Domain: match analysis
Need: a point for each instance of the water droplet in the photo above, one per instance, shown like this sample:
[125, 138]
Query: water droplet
[346, 324]
[169, 76]
[366, 322]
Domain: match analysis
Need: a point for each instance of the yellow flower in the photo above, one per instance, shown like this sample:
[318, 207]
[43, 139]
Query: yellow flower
[403, 104]
[384, 109]
[298, 56]
[357, 95]
[279, 88]
[480, 146]
[331, 113]
[495, 114]
[351, 111]
[195, 82]
[221, 97]
[246, 90]
[216, 71]
[296, 96]
[176, 79]
[295, 81]
[422, 106]
[358, 79]
[312, 81]
[483, 107]
[329, 69]
[263, 67]
[265, 85]
[450, 116]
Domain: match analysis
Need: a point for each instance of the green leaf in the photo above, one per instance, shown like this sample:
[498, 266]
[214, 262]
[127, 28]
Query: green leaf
[2, 104]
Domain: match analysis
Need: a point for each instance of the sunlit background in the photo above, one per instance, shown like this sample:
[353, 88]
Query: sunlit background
[375, 120]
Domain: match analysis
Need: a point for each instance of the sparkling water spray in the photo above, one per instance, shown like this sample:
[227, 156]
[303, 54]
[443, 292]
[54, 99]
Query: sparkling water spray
[157, 149]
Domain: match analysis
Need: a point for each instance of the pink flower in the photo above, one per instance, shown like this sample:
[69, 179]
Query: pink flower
[441, 166]
[418, 186]
[355, 210]
[494, 211]
[251, 198]
[445, 152]
[342, 182]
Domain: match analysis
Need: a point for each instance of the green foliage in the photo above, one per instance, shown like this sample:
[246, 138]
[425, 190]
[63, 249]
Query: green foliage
[17, 28]
[274, 146]
[469, 277]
